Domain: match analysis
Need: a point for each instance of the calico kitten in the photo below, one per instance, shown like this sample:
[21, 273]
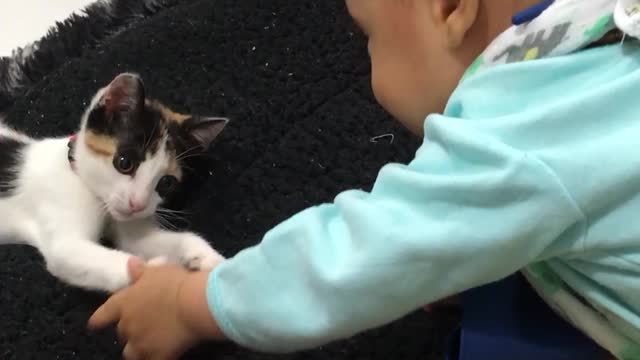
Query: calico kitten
[61, 196]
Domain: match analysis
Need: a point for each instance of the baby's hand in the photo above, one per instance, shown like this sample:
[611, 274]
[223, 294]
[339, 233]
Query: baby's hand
[161, 315]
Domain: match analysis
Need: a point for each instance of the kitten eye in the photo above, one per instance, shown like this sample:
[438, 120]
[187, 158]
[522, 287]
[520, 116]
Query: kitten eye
[166, 185]
[123, 164]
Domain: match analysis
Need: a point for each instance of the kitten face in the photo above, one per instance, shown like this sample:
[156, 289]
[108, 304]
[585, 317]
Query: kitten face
[130, 147]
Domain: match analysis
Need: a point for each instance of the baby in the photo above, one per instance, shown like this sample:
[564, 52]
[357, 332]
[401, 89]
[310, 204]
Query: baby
[529, 113]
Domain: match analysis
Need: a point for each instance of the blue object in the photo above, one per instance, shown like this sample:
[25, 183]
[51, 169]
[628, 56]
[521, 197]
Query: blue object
[531, 162]
[507, 320]
[530, 13]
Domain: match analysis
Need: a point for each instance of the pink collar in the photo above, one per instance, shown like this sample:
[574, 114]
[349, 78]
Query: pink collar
[71, 145]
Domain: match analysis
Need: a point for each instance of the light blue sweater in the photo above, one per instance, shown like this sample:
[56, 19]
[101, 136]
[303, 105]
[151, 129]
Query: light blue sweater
[531, 161]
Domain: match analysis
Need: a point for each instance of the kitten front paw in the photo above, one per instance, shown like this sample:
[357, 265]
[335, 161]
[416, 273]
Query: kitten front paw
[198, 255]
[203, 262]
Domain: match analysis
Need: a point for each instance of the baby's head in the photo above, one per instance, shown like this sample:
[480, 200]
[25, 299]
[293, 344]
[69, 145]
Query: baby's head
[421, 48]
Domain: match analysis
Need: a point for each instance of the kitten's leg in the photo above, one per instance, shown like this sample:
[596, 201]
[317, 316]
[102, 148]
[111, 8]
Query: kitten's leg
[86, 264]
[146, 240]
[17, 227]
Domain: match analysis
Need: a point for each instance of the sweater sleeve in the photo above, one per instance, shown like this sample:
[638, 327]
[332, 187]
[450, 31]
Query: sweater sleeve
[466, 211]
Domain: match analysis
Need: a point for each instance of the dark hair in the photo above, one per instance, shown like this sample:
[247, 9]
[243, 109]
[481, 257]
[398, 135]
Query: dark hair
[612, 37]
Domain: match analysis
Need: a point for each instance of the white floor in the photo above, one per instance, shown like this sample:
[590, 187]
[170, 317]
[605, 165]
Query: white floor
[24, 21]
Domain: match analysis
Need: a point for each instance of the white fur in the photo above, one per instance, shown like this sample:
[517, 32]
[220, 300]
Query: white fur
[63, 213]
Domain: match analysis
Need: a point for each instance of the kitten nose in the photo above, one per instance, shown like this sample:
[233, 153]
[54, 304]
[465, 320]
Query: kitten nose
[135, 206]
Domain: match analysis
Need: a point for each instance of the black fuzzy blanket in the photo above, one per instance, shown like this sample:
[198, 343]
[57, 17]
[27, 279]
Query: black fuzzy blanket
[294, 78]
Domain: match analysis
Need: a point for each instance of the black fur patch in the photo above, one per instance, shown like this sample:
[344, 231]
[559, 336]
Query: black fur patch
[177, 139]
[10, 154]
[138, 133]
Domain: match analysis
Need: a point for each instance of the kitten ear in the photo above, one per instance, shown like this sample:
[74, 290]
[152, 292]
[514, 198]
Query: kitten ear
[124, 94]
[203, 130]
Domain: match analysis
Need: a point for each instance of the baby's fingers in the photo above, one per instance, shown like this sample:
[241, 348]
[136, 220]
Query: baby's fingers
[106, 314]
[129, 353]
[135, 267]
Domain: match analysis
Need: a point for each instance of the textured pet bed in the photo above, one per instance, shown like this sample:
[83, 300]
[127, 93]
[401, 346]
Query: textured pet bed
[294, 78]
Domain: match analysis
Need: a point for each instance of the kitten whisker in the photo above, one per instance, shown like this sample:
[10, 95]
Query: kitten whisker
[185, 153]
[171, 211]
[169, 216]
[189, 156]
[185, 167]
[104, 209]
[166, 223]
[148, 141]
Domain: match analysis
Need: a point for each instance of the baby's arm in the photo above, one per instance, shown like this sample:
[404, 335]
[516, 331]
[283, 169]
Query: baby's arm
[193, 307]
[467, 211]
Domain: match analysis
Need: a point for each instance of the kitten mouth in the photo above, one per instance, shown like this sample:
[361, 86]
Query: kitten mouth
[126, 215]
[123, 215]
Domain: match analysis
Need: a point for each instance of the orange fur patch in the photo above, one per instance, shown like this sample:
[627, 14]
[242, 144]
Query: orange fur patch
[174, 116]
[167, 113]
[101, 145]
[174, 169]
